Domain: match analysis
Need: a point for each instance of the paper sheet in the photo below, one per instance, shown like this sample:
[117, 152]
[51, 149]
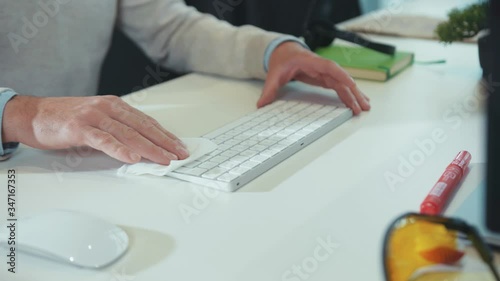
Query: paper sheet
[197, 147]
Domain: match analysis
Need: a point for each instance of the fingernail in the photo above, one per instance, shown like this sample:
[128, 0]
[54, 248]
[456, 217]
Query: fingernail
[171, 156]
[183, 151]
[368, 106]
[135, 157]
[356, 109]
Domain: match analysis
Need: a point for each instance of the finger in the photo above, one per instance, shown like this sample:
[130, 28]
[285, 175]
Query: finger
[342, 77]
[121, 110]
[146, 126]
[361, 98]
[134, 140]
[344, 94]
[336, 72]
[156, 123]
[276, 79]
[270, 90]
[108, 144]
[343, 91]
[348, 99]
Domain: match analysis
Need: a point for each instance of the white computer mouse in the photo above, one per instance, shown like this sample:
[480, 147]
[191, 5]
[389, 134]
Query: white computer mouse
[71, 237]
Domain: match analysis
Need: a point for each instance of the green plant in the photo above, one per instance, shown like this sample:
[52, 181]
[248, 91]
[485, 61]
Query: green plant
[464, 23]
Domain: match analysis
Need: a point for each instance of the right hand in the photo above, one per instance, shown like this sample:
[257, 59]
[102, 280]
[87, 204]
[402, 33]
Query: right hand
[104, 123]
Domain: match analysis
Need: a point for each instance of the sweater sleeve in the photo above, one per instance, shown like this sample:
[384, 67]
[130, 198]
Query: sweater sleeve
[181, 38]
[6, 149]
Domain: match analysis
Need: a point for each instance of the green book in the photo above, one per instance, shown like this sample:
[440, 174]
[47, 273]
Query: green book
[365, 63]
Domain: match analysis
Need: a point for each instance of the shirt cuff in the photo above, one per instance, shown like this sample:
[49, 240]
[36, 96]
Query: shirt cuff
[275, 43]
[6, 149]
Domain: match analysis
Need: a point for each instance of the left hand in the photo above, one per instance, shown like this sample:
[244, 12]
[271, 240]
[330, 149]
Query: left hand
[291, 61]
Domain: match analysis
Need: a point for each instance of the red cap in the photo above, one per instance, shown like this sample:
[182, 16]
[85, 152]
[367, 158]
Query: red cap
[428, 208]
[462, 160]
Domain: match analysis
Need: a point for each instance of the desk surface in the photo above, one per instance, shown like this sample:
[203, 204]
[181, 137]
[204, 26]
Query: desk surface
[339, 194]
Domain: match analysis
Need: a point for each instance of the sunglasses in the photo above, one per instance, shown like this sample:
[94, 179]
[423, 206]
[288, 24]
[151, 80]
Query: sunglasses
[433, 248]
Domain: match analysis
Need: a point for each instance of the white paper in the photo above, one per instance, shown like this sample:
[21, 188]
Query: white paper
[197, 147]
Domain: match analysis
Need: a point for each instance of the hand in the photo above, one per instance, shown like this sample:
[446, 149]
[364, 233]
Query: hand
[104, 123]
[291, 61]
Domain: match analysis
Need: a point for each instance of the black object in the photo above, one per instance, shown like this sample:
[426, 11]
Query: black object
[493, 147]
[320, 30]
[485, 47]
[321, 33]
[284, 16]
[127, 69]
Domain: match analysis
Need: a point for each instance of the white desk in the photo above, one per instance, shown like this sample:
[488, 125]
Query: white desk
[333, 188]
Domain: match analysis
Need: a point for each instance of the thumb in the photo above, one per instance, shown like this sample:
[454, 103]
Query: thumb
[270, 90]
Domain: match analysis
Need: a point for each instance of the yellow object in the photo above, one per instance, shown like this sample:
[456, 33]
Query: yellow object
[410, 239]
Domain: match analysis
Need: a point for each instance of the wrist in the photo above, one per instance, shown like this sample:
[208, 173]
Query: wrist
[285, 52]
[16, 119]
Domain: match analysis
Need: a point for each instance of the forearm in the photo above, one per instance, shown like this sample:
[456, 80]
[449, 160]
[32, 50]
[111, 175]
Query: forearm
[183, 39]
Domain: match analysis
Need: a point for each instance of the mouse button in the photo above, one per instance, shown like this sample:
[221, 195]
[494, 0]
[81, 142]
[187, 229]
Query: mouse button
[103, 248]
[43, 235]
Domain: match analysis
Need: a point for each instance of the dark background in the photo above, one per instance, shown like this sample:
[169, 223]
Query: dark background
[126, 65]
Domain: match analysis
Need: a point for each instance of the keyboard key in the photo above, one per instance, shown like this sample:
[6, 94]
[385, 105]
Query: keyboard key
[214, 173]
[227, 177]
[295, 138]
[224, 147]
[258, 147]
[239, 170]
[268, 153]
[218, 141]
[258, 138]
[204, 158]
[240, 147]
[231, 142]
[249, 142]
[249, 164]
[275, 138]
[278, 147]
[241, 137]
[249, 153]
[267, 142]
[222, 138]
[219, 159]
[192, 164]
[259, 158]
[208, 165]
[287, 142]
[239, 159]
[233, 132]
[215, 152]
[284, 133]
[191, 171]
[229, 164]
[229, 153]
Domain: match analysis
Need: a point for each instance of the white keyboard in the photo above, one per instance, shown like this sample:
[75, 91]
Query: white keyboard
[255, 143]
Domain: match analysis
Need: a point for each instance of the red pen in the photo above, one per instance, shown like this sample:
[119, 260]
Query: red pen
[440, 194]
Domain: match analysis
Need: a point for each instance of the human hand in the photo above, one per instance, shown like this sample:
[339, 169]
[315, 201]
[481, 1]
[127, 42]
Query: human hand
[104, 123]
[290, 61]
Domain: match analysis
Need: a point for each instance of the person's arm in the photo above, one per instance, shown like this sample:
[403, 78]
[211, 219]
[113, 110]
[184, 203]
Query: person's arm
[104, 123]
[181, 38]
[6, 148]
